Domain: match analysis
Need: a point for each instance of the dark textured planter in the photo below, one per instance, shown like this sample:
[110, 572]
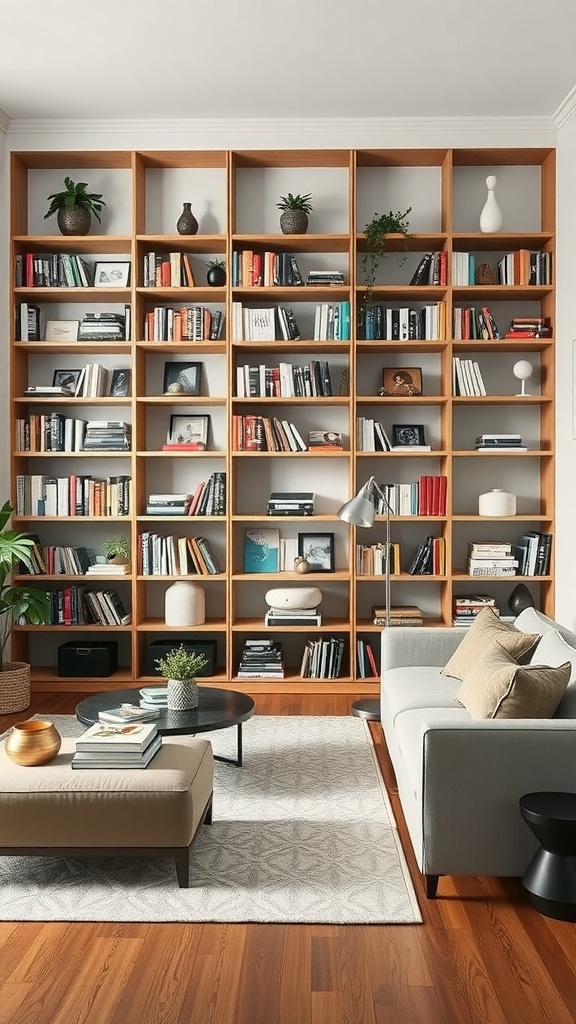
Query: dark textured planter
[294, 222]
[74, 220]
[187, 223]
[216, 277]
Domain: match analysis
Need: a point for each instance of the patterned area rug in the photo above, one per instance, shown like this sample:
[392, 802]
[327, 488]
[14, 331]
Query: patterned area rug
[302, 833]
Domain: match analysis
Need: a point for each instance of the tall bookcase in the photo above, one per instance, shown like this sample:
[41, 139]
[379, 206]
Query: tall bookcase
[234, 196]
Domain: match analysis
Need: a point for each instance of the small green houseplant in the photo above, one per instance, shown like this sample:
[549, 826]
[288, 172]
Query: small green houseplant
[376, 231]
[180, 668]
[117, 549]
[294, 218]
[216, 276]
[26, 603]
[74, 207]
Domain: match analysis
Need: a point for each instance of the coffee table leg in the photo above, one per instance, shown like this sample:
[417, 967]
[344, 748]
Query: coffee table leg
[230, 760]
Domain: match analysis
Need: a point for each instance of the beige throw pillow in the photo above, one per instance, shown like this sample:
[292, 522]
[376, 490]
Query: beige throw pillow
[486, 629]
[497, 687]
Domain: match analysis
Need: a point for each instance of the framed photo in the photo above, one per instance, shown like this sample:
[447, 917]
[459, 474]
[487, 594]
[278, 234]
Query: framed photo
[66, 379]
[186, 429]
[325, 439]
[409, 434]
[61, 330]
[318, 550]
[112, 275]
[401, 381]
[120, 383]
[182, 378]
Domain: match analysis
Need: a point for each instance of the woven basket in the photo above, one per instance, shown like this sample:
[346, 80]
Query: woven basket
[14, 687]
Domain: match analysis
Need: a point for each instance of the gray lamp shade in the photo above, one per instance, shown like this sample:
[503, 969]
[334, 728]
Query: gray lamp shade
[359, 511]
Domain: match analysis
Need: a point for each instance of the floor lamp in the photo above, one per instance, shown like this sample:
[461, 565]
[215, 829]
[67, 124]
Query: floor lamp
[360, 511]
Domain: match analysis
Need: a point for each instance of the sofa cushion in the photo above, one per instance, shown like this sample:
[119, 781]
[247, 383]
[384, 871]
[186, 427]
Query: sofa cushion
[533, 621]
[553, 649]
[409, 688]
[497, 687]
[482, 635]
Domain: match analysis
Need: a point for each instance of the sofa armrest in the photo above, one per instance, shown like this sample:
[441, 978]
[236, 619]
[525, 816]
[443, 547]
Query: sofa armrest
[418, 645]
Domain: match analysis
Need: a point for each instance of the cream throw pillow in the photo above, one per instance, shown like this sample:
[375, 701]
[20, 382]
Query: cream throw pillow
[497, 687]
[481, 636]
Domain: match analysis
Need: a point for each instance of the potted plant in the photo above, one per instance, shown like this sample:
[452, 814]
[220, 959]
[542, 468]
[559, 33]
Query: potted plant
[117, 550]
[179, 667]
[74, 207]
[216, 276]
[376, 231]
[26, 603]
[294, 218]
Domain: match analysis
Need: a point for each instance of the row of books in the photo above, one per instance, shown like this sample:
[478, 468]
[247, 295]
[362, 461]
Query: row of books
[429, 559]
[467, 380]
[207, 499]
[187, 323]
[287, 380]
[322, 658]
[167, 270]
[264, 323]
[463, 268]
[264, 269]
[260, 659]
[332, 321]
[74, 606]
[432, 269]
[176, 556]
[473, 324]
[49, 432]
[366, 666]
[130, 745]
[76, 495]
[529, 556]
[265, 434]
[371, 435]
[382, 323]
[524, 267]
[371, 559]
[58, 559]
[425, 496]
[53, 270]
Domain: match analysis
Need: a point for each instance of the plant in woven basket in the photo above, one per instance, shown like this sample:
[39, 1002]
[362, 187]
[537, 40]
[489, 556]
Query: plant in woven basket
[294, 218]
[376, 231]
[26, 603]
[74, 207]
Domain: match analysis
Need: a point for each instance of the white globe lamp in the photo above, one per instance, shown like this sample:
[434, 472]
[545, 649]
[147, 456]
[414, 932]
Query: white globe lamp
[522, 370]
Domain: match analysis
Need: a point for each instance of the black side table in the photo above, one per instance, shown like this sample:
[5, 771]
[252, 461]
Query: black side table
[550, 877]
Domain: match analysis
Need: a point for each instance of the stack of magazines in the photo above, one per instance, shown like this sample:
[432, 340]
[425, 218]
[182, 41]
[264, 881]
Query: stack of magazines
[105, 745]
[154, 697]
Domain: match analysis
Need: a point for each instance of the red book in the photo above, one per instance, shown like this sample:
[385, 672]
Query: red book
[372, 660]
[442, 496]
[435, 500]
[29, 269]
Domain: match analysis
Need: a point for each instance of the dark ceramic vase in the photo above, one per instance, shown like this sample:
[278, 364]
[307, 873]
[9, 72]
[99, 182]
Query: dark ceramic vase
[520, 598]
[216, 277]
[187, 223]
[74, 220]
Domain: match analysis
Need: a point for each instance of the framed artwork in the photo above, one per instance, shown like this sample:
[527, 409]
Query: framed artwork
[182, 378]
[409, 434]
[401, 381]
[61, 330]
[261, 550]
[112, 275]
[187, 429]
[318, 550]
[325, 439]
[120, 383]
[66, 379]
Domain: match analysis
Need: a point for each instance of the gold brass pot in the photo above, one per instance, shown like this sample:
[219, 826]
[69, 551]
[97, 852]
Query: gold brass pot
[33, 743]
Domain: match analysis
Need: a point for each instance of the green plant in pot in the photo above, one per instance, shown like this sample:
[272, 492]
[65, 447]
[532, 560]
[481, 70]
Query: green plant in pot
[117, 549]
[216, 276]
[74, 207]
[180, 668]
[25, 603]
[294, 216]
[377, 231]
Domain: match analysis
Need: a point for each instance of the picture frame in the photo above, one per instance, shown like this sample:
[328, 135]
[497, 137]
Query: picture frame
[66, 379]
[112, 274]
[120, 383]
[325, 439]
[61, 330]
[408, 434]
[181, 378]
[188, 429]
[401, 382]
[318, 550]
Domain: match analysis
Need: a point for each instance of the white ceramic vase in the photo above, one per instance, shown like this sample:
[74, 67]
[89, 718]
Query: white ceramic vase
[497, 503]
[491, 216]
[184, 604]
[182, 694]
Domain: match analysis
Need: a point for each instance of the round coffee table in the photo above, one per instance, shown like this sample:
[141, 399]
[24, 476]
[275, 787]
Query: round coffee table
[217, 709]
[550, 878]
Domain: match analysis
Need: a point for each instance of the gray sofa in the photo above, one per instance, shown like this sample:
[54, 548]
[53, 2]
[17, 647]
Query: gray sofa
[459, 779]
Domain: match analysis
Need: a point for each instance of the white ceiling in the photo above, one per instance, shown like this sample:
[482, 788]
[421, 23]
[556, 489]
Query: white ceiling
[295, 59]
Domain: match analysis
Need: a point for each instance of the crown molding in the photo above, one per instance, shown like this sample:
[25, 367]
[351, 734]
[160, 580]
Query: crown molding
[566, 109]
[4, 123]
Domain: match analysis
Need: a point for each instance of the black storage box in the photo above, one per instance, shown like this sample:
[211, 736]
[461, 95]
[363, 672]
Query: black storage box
[91, 658]
[160, 648]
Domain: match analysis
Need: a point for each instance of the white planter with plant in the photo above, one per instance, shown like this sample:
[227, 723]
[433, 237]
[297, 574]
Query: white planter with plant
[180, 668]
[25, 603]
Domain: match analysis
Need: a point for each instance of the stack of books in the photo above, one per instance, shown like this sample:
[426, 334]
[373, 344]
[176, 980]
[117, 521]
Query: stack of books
[322, 658]
[105, 326]
[533, 552]
[466, 608]
[400, 615]
[291, 503]
[324, 277]
[261, 659]
[529, 327]
[107, 436]
[109, 569]
[127, 713]
[293, 617]
[500, 443]
[154, 698]
[492, 558]
[168, 504]
[105, 745]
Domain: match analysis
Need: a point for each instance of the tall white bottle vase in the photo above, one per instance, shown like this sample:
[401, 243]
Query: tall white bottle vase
[491, 216]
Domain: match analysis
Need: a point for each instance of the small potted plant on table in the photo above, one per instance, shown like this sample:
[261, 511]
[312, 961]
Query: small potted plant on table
[74, 207]
[179, 667]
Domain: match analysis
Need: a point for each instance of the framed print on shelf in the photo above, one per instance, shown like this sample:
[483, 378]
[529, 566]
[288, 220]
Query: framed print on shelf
[66, 379]
[261, 550]
[120, 383]
[318, 550]
[187, 429]
[401, 381]
[182, 378]
[408, 434]
[112, 275]
[61, 330]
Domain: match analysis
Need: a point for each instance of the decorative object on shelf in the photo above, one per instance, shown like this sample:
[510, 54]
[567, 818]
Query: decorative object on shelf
[404, 382]
[117, 550]
[74, 208]
[294, 216]
[187, 223]
[184, 604]
[485, 274]
[301, 566]
[33, 743]
[491, 215]
[216, 276]
[497, 502]
[180, 668]
[294, 597]
[33, 606]
[376, 230]
[523, 370]
[520, 598]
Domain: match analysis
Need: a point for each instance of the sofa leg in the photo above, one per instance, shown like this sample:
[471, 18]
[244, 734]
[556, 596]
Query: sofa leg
[431, 886]
[182, 861]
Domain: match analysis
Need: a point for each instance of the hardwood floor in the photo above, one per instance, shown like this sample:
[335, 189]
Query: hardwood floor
[482, 956]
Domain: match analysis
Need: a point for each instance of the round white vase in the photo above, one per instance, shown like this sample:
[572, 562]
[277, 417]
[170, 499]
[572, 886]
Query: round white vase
[182, 694]
[497, 503]
[491, 216]
[184, 604]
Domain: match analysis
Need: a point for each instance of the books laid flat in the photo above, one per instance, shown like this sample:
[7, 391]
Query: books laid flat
[115, 759]
[127, 713]
[105, 736]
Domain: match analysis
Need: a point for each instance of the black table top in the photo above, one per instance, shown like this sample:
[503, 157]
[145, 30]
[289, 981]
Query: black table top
[549, 806]
[217, 709]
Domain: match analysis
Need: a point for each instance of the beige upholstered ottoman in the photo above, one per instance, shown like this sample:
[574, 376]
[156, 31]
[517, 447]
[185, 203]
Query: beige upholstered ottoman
[55, 810]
